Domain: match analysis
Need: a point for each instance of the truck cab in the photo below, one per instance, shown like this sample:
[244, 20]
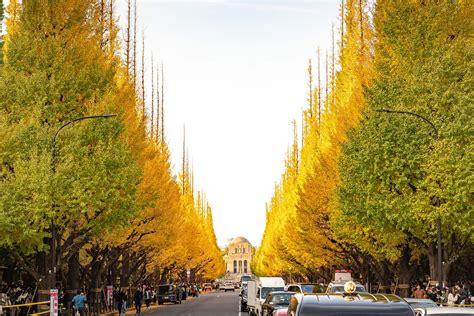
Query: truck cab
[258, 289]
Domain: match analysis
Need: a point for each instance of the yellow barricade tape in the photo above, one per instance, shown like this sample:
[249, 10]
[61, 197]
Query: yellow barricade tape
[28, 304]
[45, 312]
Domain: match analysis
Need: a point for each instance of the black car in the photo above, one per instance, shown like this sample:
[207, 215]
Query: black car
[168, 293]
[342, 304]
[275, 301]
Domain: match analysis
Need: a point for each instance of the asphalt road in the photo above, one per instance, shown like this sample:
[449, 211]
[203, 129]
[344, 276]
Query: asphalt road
[211, 304]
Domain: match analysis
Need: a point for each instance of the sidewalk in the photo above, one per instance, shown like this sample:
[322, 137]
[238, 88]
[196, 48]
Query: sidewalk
[131, 310]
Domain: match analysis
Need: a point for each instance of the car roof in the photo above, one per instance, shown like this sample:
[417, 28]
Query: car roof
[365, 303]
[449, 310]
[281, 292]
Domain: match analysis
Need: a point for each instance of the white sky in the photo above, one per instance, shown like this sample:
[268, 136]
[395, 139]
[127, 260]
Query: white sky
[236, 76]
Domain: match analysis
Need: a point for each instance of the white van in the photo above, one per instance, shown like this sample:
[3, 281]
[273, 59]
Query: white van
[257, 291]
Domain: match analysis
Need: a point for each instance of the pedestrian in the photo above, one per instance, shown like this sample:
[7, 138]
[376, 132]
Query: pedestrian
[432, 294]
[138, 298]
[79, 303]
[180, 293]
[419, 292]
[148, 296]
[452, 296]
[121, 302]
[463, 295]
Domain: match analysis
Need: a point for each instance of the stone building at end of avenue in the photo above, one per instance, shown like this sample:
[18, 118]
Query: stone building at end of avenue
[237, 256]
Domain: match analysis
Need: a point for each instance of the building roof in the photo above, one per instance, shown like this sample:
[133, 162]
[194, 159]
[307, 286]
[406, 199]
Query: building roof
[238, 240]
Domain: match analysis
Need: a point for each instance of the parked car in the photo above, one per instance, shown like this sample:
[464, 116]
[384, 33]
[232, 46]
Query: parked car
[276, 301]
[227, 286]
[444, 311]
[207, 287]
[168, 293]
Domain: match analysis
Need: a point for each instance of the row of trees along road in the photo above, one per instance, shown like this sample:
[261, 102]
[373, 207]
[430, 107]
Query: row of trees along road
[119, 212]
[361, 190]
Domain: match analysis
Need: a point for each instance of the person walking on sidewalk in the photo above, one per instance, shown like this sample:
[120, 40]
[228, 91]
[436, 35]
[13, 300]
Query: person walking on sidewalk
[121, 302]
[79, 303]
[148, 296]
[138, 298]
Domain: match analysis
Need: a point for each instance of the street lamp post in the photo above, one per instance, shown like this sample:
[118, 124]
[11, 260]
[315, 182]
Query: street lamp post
[53, 171]
[438, 220]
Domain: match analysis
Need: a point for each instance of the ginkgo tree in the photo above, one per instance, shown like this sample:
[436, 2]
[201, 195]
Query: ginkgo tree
[362, 190]
[120, 215]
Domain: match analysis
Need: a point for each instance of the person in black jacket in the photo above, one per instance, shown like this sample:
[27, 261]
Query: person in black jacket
[138, 298]
[121, 299]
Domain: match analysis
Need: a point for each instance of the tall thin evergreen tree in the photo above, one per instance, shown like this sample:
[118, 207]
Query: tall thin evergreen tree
[157, 136]
[310, 86]
[127, 39]
[134, 43]
[152, 120]
[162, 103]
[319, 88]
[143, 76]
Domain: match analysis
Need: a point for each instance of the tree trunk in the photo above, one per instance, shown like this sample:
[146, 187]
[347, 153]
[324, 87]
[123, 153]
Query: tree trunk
[43, 283]
[405, 272]
[96, 286]
[164, 275]
[432, 258]
[383, 275]
[73, 277]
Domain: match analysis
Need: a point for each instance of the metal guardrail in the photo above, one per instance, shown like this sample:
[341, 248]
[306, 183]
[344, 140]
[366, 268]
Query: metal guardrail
[26, 305]
[41, 313]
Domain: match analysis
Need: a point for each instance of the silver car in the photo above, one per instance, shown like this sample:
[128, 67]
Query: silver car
[444, 311]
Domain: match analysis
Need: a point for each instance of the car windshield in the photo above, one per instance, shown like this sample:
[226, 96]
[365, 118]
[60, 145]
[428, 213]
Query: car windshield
[267, 290]
[312, 288]
[281, 299]
[245, 278]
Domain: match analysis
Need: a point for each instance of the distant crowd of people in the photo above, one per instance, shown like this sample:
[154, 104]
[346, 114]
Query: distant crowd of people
[15, 294]
[456, 294]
